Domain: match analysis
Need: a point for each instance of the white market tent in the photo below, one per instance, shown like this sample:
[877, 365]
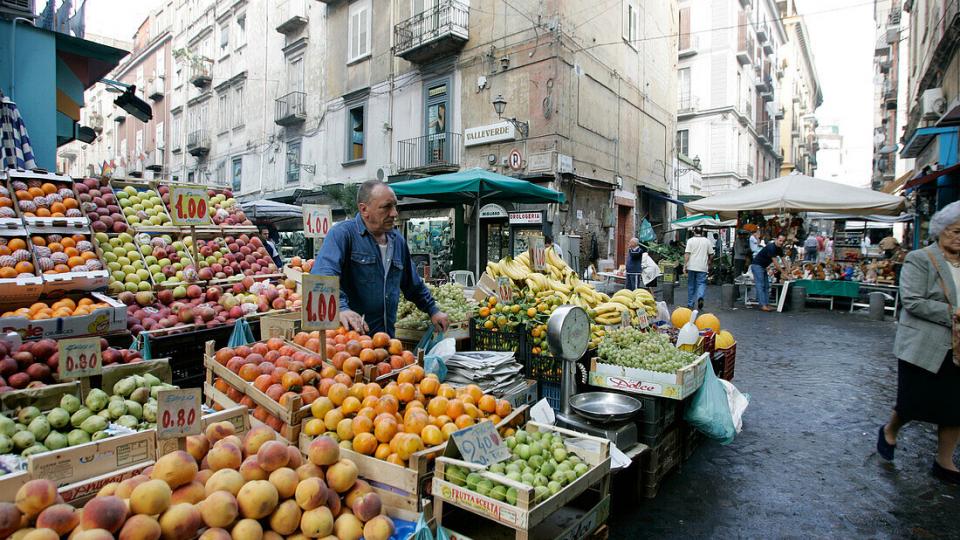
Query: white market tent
[702, 220]
[800, 193]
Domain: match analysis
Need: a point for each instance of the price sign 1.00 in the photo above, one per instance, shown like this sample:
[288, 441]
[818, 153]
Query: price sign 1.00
[189, 206]
[321, 302]
[178, 413]
[317, 220]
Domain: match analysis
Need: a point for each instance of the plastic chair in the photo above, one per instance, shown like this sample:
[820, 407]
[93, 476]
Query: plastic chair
[464, 278]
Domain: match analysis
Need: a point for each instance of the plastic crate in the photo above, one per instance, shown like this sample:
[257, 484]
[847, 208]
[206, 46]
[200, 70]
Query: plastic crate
[658, 462]
[724, 362]
[657, 415]
[548, 372]
[482, 339]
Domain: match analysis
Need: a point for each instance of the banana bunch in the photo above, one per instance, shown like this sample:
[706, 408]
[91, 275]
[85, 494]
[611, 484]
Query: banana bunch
[611, 313]
[639, 299]
[537, 282]
[513, 269]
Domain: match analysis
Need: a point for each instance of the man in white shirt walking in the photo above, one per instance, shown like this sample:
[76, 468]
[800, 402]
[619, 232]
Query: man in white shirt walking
[696, 263]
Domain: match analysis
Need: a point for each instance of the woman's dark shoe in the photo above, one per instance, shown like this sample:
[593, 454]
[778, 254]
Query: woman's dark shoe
[884, 448]
[945, 475]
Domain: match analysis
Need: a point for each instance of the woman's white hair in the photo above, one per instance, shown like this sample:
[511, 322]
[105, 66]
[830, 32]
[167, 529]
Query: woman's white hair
[947, 216]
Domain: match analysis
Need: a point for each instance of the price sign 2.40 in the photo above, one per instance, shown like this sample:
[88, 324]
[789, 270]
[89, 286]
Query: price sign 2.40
[189, 206]
[321, 302]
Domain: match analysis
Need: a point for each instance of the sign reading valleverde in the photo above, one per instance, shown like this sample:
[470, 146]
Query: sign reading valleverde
[503, 131]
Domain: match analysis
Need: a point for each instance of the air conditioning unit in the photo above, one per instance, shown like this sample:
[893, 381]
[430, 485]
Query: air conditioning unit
[932, 104]
[19, 8]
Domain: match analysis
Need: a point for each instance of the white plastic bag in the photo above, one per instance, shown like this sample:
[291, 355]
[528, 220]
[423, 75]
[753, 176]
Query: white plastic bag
[663, 312]
[738, 403]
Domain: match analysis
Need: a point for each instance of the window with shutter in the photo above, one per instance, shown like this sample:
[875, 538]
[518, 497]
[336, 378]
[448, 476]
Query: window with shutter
[359, 31]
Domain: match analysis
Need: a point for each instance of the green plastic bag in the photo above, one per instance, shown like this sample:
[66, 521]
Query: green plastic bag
[142, 343]
[421, 530]
[709, 410]
[646, 233]
[242, 335]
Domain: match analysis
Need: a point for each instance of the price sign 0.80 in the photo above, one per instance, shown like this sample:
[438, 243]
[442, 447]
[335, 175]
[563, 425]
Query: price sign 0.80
[538, 255]
[178, 413]
[317, 220]
[80, 357]
[321, 302]
[189, 206]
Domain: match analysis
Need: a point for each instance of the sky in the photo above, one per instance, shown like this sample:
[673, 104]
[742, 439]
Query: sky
[117, 19]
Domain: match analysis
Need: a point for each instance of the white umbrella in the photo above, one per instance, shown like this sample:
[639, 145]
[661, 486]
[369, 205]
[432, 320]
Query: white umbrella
[799, 193]
[701, 220]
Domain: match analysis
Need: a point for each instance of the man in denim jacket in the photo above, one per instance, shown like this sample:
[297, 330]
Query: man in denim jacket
[373, 263]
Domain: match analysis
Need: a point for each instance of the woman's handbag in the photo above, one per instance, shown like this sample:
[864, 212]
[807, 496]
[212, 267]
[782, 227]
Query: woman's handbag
[956, 320]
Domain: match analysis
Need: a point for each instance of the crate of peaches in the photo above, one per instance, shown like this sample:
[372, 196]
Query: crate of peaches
[378, 357]
[19, 282]
[68, 261]
[46, 200]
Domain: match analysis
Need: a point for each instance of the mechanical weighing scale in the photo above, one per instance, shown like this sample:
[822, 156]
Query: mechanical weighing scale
[568, 333]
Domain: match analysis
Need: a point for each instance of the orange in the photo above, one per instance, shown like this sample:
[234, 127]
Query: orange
[350, 405]
[388, 404]
[7, 273]
[68, 242]
[88, 255]
[364, 443]
[383, 450]
[406, 376]
[55, 247]
[82, 302]
[37, 307]
[464, 421]
[76, 261]
[22, 195]
[6, 202]
[503, 408]
[24, 267]
[487, 404]
[4, 250]
[337, 393]
[362, 424]
[385, 429]
[446, 391]
[429, 386]
[437, 406]
[475, 392]
[58, 208]
[48, 188]
[415, 420]
[406, 392]
[17, 243]
[71, 252]
[471, 410]
[455, 408]
[71, 203]
[35, 192]
[447, 429]
[432, 436]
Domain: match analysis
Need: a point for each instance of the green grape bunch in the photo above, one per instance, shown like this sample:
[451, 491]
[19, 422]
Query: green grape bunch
[450, 299]
[631, 347]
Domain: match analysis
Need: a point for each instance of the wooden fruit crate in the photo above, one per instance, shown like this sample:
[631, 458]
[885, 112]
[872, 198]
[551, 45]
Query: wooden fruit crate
[413, 480]
[584, 518]
[524, 516]
[220, 401]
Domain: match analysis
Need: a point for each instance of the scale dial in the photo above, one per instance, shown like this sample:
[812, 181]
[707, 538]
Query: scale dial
[568, 332]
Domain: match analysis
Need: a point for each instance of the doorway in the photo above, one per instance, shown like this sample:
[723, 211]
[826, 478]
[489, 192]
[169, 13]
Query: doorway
[624, 222]
[437, 108]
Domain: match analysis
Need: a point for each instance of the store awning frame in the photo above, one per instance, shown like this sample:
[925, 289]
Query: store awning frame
[919, 181]
[658, 195]
[921, 138]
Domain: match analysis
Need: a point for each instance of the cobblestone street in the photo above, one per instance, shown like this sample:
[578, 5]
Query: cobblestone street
[805, 464]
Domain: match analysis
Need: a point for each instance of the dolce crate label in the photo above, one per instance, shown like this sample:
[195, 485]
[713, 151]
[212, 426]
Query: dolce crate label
[504, 289]
[178, 413]
[501, 512]
[189, 206]
[628, 385]
[538, 255]
[80, 357]
[317, 220]
[480, 444]
[321, 302]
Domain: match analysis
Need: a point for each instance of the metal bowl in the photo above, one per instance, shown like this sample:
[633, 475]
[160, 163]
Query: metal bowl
[605, 407]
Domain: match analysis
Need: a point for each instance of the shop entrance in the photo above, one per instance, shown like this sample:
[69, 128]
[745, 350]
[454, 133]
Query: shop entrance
[494, 234]
[624, 227]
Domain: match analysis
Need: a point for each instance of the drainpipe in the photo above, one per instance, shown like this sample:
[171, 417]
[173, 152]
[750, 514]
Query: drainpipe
[13, 55]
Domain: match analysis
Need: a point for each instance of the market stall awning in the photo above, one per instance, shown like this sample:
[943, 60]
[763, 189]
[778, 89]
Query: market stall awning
[266, 210]
[897, 184]
[467, 186]
[916, 182]
[904, 217]
[799, 193]
[701, 220]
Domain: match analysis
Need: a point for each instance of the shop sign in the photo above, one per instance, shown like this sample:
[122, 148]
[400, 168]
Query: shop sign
[503, 131]
[526, 218]
[541, 162]
[564, 164]
[492, 211]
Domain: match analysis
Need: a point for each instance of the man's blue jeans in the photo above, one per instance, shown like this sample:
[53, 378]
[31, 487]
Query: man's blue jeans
[762, 282]
[696, 287]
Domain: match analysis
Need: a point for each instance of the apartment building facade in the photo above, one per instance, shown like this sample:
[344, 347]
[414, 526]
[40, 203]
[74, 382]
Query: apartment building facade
[888, 116]
[728, 90]
[800, 97]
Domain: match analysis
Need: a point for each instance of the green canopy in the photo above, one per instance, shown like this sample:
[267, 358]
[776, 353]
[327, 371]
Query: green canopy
[477, 186]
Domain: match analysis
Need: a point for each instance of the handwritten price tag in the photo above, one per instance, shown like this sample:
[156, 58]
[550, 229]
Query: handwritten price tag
[504, 289]
[189, 206]
[321, 302]
[481, 444]
[538, 255]
[178, 413]
[317, 220]
[79, 358]
[644, 320]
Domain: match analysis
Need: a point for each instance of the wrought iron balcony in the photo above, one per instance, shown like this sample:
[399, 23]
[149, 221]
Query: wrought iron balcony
[745, 49]
[291, 109]
[200, 74]
[687, 105]
[198, 143]
[435, 32]
[154, 161]
[430, 153]
[763, 32]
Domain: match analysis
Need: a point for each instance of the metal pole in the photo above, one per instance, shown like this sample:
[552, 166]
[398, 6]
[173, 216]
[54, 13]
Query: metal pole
[476, 233]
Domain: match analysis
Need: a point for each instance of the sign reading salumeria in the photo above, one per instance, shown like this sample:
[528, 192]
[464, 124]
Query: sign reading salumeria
[503, 131]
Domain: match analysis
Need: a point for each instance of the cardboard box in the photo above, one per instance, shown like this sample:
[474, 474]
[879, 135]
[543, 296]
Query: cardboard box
[102, 321]
[85, 461]
[283, 325]
[679, 385]
[238, 416]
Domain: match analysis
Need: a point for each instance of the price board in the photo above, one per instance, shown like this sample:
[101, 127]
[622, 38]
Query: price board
[644, 320]
[189, 206]
[178, 413]
[321, 302]
[79, 357]
[538, 255]
[504, 289]
[317, 220]
[480, 444]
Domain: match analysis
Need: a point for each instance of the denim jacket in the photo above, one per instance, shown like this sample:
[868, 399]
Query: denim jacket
[350, 252]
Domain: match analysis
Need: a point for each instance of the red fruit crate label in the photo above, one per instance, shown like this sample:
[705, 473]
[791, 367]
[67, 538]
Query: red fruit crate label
[538, 255]
[504, 290]
[321, 302]
[189, 206]
[79, 357]
[317, 220]
[178, 413]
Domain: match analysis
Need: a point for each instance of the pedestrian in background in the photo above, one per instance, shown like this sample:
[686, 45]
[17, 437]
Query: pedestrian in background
[635, 253]
[810, 248]
[696, 263]
[821, 248]
[768, 255]
[755, 243]
[828, 245]
[270, 239]
[928, 377]
[740, 248]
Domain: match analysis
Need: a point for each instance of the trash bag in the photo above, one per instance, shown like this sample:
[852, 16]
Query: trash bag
[429, 340]
[709, 409]
[433, 363]
[405, 529]
[422, 530]
[738, 403]
[242, 335]
[141, 343]
[442, 533]
[646, 233]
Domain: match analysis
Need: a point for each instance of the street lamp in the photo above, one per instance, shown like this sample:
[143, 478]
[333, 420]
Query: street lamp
[129, 101]
[678, 172]
[499, 105]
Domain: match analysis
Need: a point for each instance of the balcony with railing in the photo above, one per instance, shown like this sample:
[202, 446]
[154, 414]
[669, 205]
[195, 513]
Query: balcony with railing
[198, 143]
[154, 161]
[433, 33]
[763, 32]
[745, 47]
[155, 88]
[290, 109]
[435, 153]
[200, 74]
[293, 16]
[687, 105]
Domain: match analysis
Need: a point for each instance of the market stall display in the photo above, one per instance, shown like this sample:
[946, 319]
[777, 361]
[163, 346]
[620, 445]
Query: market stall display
[450, 299]
[169, 260]
[141, 206]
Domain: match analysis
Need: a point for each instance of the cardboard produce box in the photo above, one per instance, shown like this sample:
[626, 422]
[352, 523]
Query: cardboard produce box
[112, 318]
[679, 385]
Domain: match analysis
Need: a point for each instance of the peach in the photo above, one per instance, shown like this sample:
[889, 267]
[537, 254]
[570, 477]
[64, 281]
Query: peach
[255, 438]
[219, 509]
[378, 528]
[323, 451]
[348, 527]
[366, 506]
[198, 446]
[215, 534]
[317, 523]
[176, 469]
[270, 535]
[296, 458]
[224, 456]
[247, 529]
[126, 487]
[23, 532]
[180, 521]
[151, 497]
[342, 475]
[286, 518]
[10, 517]
[107, 513]
[333, 502]
[285, 480]
[192, 493]
[202, 476]
[311, 493]
[140, 527]
[250, 469]
[93, 534]
[361, 487]
[225, 480]
[309, 470]
[272, 455]
[109, 489]
[41, 534]
[34, 496]
[219, 430]
[257, 499]
[232, 439]
[61, 518]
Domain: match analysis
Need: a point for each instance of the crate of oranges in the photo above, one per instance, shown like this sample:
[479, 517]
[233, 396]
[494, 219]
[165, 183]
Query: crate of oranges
[379, 358]
[75, 314]
[19, 281]
[67, 260]
[45, 199]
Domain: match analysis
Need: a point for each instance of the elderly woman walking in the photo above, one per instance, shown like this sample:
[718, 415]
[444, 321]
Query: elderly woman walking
[928, 379]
